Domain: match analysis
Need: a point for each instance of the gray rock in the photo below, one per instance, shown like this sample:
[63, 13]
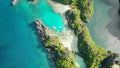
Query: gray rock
[41, 28]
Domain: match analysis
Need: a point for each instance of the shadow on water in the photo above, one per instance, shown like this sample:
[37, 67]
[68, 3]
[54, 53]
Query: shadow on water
[40, 44]
[113, 26]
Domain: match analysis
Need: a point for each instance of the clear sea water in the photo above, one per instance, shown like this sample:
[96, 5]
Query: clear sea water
[18, 42]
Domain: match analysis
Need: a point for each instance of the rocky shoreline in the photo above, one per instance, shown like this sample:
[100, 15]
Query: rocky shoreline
[14, 2]
[60, 56]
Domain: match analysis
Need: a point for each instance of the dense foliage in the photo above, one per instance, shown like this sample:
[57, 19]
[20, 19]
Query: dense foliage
[61, 56]
[92, 53]
[85, 6]
[64, 1]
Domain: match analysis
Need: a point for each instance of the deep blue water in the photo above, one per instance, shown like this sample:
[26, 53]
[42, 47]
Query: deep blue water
[18, 42]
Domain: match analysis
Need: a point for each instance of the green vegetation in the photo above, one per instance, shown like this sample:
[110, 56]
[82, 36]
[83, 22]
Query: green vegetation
[58, 54]
[81, 12]
[84, 6]
[64, 1]
[61, 56]
[92, 53]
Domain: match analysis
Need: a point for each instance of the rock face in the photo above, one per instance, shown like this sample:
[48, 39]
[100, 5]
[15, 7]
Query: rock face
[14, 2]
[41, 29]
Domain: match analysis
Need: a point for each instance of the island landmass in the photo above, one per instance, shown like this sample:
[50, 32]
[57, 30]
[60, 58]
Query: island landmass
[77, 17]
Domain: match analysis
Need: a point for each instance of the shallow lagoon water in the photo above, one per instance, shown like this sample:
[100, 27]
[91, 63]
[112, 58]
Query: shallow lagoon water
[44, 12]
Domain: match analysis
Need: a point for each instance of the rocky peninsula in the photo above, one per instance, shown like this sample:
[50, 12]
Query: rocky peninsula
[77, 17]
[60, 56]
[14, 2]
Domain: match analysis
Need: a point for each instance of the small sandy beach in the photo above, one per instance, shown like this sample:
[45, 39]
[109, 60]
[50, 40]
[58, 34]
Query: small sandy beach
[67, 38]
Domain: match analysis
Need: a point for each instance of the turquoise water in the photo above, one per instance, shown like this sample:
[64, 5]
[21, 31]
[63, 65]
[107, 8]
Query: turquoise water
[18, 42]
[80, 61]
[44, 12]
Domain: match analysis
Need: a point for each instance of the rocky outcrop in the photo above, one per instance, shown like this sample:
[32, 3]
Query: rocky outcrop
[41, 29]
[60, 56]
[109, 61]
[14, 2]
